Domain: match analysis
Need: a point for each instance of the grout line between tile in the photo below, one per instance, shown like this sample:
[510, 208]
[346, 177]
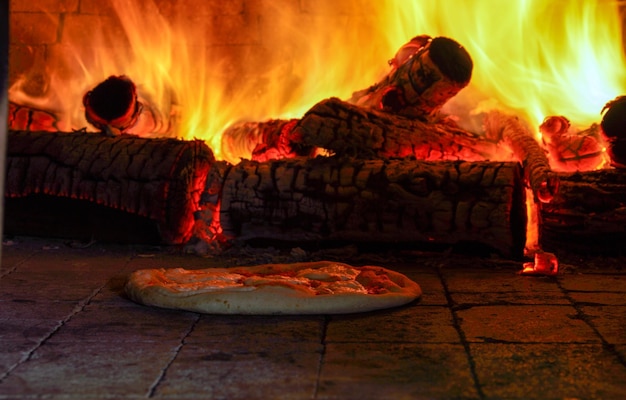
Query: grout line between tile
[322, 356]
[577, 306]
[77, 309]
[177, 350]
[464, 342]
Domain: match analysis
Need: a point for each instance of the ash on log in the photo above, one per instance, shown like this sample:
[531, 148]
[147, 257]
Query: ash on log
[377, 201]
[158, 179]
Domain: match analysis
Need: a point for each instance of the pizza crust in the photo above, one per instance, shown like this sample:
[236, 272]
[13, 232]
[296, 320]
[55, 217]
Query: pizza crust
[322, 287]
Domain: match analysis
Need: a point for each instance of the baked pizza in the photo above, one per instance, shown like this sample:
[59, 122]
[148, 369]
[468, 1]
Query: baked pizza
[322, 287]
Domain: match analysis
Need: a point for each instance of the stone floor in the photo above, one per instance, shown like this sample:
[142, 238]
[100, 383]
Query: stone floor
[480, 331]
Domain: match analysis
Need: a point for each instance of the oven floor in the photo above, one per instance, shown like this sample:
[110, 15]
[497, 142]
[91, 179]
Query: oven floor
[480, 331]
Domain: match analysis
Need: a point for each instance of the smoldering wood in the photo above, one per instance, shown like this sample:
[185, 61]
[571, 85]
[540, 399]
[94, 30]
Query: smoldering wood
[350, 130]
[588, 213]
[159, 179]
[266, 140]
[425, 74]
[572, 151]
[380, 201]
[512, 132]
[345, 129]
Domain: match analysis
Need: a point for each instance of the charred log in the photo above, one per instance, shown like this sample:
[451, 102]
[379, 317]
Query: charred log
[569, 151]
[513, 133]
[346, 129]
[159, 179]
[588, 213]
[384, 201]
[425, 74]
[32, 119]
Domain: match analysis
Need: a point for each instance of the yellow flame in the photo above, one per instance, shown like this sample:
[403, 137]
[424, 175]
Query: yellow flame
[534, 57]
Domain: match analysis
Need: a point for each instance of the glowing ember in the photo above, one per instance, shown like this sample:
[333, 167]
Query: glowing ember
[545, 264]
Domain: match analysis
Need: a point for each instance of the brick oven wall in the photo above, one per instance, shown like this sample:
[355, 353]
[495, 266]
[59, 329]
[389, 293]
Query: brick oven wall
[241, 31]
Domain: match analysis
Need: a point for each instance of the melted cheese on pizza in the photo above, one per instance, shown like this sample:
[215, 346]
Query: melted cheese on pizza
[331, 279]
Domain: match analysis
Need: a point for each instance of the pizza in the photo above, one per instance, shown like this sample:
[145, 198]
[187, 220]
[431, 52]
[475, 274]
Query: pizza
[321, 287]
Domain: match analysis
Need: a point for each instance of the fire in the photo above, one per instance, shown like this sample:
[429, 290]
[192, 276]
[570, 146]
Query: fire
[535, 58]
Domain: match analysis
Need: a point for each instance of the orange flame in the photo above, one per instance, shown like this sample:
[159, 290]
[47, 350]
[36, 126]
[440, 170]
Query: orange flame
[534, 57]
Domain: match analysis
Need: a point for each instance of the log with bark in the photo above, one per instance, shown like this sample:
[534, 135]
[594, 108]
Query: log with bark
[158, 179]
[425, 74]
[588, 213]
[345, 129]
[376, 201]
[342, 128]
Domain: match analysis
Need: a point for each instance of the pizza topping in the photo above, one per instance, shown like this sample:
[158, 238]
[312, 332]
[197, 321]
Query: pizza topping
[182, 280]
[334, 278]
[332, 272]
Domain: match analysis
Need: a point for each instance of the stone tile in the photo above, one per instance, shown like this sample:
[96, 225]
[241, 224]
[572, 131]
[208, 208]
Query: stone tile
[521, 324]
[599, 298]
[118, 369]
[230, 371]
[548, 371]
[133, 323]
[27, 330]
[417, 324]
[494, 298]
[46, 286]
[395, 371]
[594, 282]
[497, 281]
[433, 292]
[12, 352]
[610, 321]
[246, 329]
[19, 309]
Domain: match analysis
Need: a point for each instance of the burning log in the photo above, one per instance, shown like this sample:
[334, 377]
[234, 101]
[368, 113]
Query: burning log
[112, 106]
[160, 179]
[512, 132]
[383, 201]
[588, 213]
[345, 129]
[269, 140]
[614, 128]
[32, 119]
[425, 74]
[568, 152]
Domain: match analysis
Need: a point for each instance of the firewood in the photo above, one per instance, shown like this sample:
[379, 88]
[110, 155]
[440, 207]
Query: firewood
[345, 129]
[572, 151]
[425, 74]
[112, 106]
[160, 179]
[383, 201]
[614, 129]
[588, 213]
[23, 117]
[267, 140]
[511, 131]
